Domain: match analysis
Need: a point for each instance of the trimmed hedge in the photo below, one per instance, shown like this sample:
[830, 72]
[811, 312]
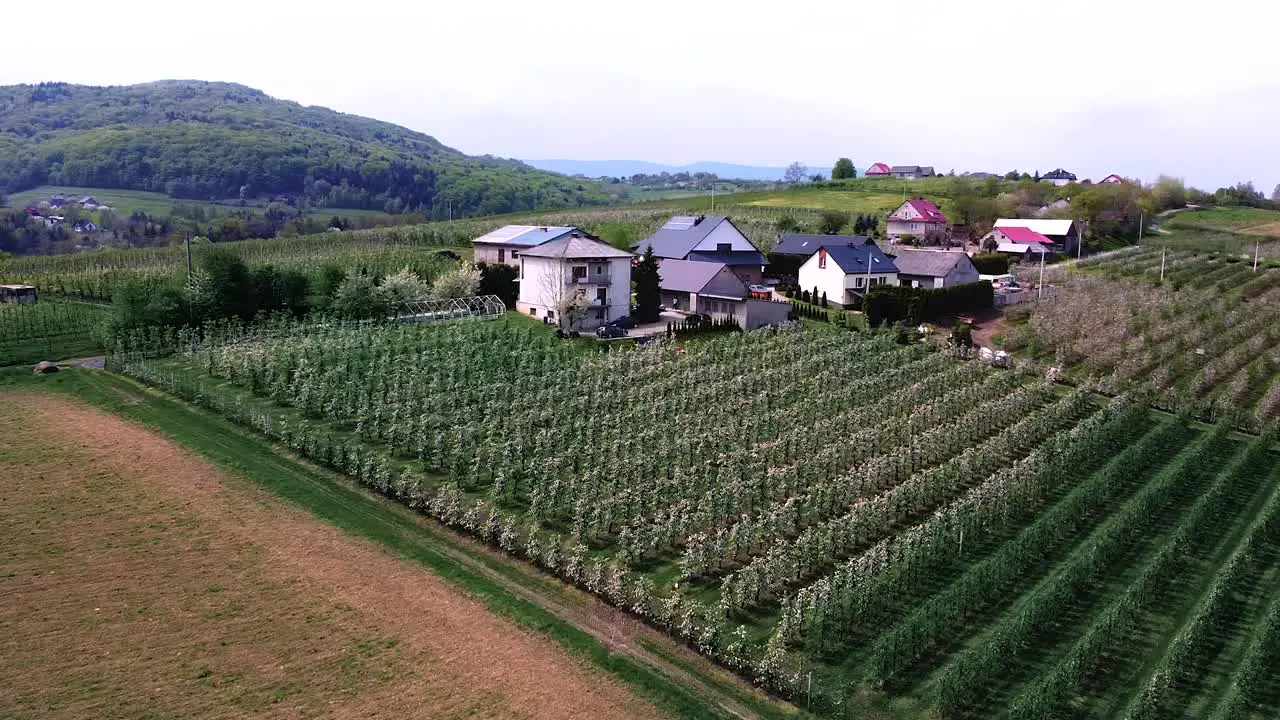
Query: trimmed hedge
[912, 306]
[991, 263]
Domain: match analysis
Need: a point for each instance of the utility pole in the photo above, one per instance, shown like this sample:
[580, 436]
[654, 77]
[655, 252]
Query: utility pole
[450, 211]
[1040, 285]
[1079, 240]
[1162, 254]
[1141, 217]
[713, 196]
[1256, 249]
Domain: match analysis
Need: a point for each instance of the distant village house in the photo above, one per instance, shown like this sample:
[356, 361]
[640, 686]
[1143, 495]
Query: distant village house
[1058, 177]
[878, 170]
[912, 172]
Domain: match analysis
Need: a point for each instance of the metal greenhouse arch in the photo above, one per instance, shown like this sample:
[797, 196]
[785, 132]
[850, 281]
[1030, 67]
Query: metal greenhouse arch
[481, 307]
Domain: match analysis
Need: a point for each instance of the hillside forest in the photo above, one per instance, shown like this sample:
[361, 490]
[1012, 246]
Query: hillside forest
[220, 141]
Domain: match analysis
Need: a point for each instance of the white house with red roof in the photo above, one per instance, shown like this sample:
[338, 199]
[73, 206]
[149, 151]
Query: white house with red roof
[1021, 242]
[916, 217]
[878, 170]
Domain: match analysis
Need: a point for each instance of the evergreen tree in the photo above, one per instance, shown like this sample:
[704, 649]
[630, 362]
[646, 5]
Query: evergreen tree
[648, 290]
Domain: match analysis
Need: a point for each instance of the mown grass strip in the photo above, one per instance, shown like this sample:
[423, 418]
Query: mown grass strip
[360, 514]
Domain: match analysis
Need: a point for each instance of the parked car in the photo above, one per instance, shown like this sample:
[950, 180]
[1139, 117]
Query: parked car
[611, 331]
[625, 322]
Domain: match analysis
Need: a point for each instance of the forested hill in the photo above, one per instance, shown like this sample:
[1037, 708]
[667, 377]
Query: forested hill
[218, 141]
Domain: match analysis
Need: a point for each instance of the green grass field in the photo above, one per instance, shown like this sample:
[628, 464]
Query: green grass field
[1247, 220]
[123, 202]
[126, 202]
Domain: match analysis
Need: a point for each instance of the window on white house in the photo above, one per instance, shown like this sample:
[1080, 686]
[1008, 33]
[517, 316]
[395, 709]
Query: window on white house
[521, 269]
[579, 272]
[551, 314]
[859, 282]
[515, 254]
[533, 311]
[502, 255]
[724, 247]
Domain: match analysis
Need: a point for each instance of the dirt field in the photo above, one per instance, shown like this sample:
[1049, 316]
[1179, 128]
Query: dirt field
[137, 581]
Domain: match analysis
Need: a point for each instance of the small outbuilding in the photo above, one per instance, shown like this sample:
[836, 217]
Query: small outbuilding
[18, 293]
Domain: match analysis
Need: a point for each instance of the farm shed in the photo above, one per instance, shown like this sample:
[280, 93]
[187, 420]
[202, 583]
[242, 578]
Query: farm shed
[17, 293]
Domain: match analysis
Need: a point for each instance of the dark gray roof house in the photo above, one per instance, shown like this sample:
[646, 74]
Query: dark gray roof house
[912, 171]
[704, 238]
[700, 278]
[933, 268]
[806, 245]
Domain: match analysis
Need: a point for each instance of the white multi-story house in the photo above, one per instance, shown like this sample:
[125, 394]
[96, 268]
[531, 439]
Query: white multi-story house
[504, 245]
[575, 282]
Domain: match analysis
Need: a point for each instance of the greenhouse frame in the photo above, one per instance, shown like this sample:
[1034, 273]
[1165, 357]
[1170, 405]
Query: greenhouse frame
[481, 307]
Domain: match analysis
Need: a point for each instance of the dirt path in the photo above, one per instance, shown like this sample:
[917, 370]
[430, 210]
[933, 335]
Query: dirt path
[138, 580]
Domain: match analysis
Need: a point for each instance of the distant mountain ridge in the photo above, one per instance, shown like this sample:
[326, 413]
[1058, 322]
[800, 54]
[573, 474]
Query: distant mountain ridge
[216, 141]
[627, 168]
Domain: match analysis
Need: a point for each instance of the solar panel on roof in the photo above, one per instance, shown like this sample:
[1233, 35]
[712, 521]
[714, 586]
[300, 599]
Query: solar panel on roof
[680, 222]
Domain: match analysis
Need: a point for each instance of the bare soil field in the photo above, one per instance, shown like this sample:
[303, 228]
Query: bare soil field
[138, 581]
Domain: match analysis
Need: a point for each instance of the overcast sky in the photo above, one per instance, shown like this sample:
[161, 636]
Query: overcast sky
[1095, 86]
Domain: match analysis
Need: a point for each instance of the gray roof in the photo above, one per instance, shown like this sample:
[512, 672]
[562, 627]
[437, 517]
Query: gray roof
[853, 259]
[576, 247]
[806, 245]
[928, 263]
[687, 275]
[680, 235]
[522, 236]
[921, 169]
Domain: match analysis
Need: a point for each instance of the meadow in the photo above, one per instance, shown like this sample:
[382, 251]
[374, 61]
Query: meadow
[1246, 220]
[978, 543]
[127, 202]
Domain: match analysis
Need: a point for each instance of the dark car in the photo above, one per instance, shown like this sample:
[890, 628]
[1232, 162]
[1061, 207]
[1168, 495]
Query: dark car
[611, 331]
[625, 322]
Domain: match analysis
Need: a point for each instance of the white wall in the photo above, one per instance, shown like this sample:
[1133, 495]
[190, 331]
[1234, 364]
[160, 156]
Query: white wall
[725, 232]
[834, 282]
[489, 254]
[545, 281]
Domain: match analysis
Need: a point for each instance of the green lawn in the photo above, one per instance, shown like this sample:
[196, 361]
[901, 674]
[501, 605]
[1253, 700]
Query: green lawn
[1228, 219]
[126, 202]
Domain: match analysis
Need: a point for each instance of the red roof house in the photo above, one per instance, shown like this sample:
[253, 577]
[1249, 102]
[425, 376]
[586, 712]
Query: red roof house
[877, 170]
[1020, 235]
[916, 217]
